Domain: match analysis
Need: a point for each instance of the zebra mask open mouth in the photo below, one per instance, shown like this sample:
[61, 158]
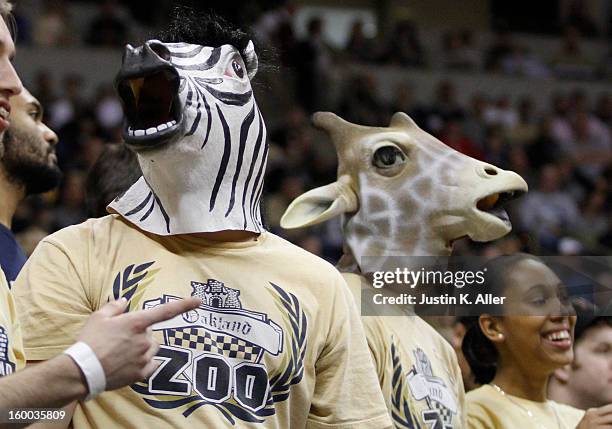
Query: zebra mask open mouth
[148, 86]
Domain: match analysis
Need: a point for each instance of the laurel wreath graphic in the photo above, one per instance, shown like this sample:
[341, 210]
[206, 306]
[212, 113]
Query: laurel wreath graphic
[400, 411]
[128, 283]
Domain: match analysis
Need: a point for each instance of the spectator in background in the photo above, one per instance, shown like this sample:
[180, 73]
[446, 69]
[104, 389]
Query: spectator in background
[44, 88]
[444, 108]
[502, 47]
[561, 128]
[360, 102]
[590, 147]
[474, 123]
[496, 146]
[269, 24]
[575, 13]
[501, 113]
[53, 27]
[525, 130]
[587, 381]
[312, 63]
[115, 170]
[545, 149]
[459, 51]
[593, 222]
[402, 98]
[71, 204]
[547, 211]
[359, 47]
[65, 108]
[107, 110]
[520, 61]
[571, 62]
[452, 135]
[404, 46]
[108, 28]
[275, 28]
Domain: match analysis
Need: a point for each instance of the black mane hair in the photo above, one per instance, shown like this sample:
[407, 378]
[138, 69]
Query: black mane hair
[189, 25]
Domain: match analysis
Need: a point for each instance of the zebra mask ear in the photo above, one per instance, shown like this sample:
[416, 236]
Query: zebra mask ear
[320, 204]
[251, 60]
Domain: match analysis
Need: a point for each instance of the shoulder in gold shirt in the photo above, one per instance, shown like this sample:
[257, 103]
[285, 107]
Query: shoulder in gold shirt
[489, 409]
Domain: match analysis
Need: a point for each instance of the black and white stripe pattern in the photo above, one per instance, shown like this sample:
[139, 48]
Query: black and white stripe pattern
[224, 145]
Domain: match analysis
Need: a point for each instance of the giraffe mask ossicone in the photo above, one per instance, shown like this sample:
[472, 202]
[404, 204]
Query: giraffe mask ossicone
[192, 119]
[403, 192]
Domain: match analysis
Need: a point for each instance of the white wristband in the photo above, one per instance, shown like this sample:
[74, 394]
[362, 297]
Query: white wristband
[87, 360]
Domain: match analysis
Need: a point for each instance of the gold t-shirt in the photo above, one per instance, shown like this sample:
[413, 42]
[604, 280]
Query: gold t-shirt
[276, 343]
[417, 369]
[11, 347]
[489, 409]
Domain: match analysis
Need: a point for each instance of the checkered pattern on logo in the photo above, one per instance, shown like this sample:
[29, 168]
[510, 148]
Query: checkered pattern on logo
[445, 413]
[200, 339]
[3, 344]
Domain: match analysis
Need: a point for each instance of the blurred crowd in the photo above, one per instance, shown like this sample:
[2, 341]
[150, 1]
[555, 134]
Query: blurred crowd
[563, 150]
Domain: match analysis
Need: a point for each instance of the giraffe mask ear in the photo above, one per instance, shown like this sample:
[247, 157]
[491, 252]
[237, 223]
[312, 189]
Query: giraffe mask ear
[320, 204]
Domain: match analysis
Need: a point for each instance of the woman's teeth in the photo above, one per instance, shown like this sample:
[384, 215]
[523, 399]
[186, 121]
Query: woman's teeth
[558, 336]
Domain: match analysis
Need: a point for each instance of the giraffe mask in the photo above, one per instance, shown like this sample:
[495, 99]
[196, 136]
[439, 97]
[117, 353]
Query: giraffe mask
[192, 119]
[403, 192]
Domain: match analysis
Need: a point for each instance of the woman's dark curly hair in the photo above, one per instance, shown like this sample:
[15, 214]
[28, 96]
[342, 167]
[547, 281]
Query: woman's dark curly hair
[478, 350]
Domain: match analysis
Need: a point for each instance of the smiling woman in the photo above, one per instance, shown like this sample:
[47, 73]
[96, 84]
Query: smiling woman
[513, 354]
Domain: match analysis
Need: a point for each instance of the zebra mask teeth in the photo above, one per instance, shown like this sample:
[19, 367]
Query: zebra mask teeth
[148, 86]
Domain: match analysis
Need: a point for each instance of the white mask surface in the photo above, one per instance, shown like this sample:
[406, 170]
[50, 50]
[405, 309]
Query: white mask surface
[200, 138]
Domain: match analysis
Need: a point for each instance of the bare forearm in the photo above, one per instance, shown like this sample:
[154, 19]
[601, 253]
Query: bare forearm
[51, 384]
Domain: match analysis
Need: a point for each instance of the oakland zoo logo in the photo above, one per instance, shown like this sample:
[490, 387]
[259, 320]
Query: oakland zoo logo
[212, 356]
[439, 401]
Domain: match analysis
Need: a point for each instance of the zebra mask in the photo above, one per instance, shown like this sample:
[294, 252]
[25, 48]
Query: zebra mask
[193, 122]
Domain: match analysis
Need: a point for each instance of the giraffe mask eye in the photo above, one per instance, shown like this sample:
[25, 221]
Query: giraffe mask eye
[388, 160]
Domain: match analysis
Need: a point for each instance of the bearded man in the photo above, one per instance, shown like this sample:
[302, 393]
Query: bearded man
[28, 165]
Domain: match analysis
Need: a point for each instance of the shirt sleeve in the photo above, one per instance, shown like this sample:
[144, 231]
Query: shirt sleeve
[478, 417]
[11, 347]
[347, 394]
[51, 297]
[459, 387]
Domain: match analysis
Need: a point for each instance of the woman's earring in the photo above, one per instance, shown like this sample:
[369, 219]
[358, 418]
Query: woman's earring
[500, 336]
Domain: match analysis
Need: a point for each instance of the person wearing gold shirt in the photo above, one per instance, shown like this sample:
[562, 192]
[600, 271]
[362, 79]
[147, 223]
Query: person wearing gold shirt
[514, 351]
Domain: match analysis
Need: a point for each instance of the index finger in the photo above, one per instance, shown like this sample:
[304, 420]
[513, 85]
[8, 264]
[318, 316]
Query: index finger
[166, 311]
[605, 410]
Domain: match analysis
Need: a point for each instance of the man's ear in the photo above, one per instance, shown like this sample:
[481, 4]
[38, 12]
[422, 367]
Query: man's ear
[320, 204]
[492, 328]
[250, 60]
